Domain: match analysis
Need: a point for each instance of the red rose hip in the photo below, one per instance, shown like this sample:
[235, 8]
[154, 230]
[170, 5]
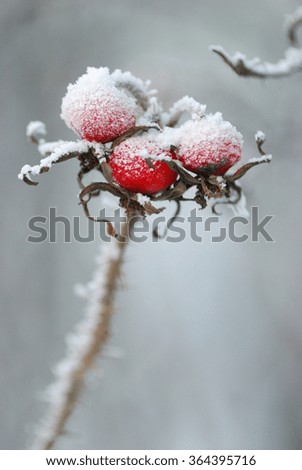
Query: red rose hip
[95, 109]
[210, 144]
[131, 171]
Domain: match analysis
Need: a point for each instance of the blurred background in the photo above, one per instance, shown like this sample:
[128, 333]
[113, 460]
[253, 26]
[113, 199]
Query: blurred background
[212, 356]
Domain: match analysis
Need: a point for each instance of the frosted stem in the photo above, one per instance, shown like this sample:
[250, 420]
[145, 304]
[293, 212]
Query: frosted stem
[288, 65]
[185, 105]
[138, 88]
[85, 344]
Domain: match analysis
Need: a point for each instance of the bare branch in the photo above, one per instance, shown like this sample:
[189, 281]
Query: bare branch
[294, 22]
[60, 154]
[290, 64]
[57, 152]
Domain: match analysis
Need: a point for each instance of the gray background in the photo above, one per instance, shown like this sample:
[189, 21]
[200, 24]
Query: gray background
[211, 333]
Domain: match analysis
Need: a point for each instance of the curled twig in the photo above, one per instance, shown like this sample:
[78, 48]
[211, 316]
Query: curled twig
[293, 23]
[184, 105]
[290, 64]
[264, 158]
[172, 219]
[135, 86]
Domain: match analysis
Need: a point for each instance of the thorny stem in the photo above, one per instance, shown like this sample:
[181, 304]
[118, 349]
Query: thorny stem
[79, 359]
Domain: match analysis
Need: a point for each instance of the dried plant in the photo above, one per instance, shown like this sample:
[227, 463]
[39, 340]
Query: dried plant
[210, 182]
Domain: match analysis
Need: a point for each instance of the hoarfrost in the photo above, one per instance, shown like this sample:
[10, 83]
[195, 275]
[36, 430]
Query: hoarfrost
[36, 131]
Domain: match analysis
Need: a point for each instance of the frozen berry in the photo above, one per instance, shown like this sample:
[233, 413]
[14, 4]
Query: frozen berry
[96, 109]
[131, 171]
[209, 144]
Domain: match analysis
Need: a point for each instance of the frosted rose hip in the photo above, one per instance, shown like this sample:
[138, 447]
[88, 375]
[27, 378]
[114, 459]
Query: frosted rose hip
[130, 170]
[96, 109]
[209, 142]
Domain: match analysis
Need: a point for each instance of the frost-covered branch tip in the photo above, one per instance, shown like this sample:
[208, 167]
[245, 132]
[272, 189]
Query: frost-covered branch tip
[186, 104]
[36, 132]
[288, 65]
[55, 152]
[292, 24]
[263, 158]
[139, 89]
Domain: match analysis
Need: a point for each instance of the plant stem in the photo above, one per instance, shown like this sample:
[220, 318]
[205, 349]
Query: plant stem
[85, 344]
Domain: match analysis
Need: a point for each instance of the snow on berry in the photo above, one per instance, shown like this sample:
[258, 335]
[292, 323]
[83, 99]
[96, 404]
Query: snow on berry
[131, 170]
[209, 143]
[95, 109]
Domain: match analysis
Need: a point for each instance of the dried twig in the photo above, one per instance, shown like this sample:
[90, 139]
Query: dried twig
[290, 64]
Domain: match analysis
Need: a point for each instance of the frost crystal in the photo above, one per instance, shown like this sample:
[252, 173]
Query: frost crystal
[36, 131]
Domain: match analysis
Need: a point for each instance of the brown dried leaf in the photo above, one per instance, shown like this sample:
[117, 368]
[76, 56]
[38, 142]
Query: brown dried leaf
[242, 170]
[130, 133]
[150, 209]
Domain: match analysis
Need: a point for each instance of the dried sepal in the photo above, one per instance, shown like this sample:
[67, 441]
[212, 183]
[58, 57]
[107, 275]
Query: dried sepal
[264, 158]
[208, 185]
[187, 178]
[172, 193]
[212, 187]
[200, 198]
[232, 188]
[107, 172]
[86, 194]
[136, 130]
[150, 209]
[156, 234]
[94, 156]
